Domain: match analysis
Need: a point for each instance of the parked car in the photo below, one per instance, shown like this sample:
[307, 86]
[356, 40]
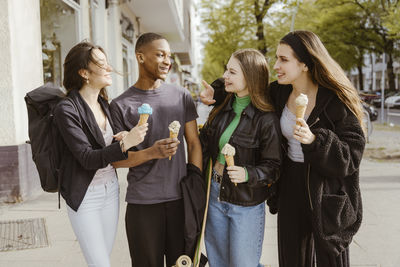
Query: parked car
[393, 101]
[377, 101]
[372, 112]
[369, 96]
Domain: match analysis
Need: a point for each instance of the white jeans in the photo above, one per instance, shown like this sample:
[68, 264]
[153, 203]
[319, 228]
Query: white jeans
[95, 223]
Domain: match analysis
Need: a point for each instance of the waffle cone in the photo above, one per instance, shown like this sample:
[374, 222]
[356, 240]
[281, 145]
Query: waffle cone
[172, 135]
[229, 160]
[300, 111]
[143, 118]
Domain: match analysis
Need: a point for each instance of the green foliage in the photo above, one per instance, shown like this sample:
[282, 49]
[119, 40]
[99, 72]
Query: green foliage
[392, 21]
[231, 25]
[348, 28]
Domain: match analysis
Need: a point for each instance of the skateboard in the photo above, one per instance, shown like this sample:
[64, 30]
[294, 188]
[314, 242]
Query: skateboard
[183, 261]
[199, 259]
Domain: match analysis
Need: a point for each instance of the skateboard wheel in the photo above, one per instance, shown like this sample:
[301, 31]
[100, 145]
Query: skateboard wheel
[183, 261]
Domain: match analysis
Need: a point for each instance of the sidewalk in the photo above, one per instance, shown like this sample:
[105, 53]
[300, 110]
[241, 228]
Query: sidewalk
[376, 244]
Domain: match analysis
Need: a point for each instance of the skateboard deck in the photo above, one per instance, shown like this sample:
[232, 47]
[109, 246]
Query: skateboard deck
[199, 258]
[200, 242]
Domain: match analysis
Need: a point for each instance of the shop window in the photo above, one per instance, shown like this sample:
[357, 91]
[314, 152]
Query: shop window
[59, 34]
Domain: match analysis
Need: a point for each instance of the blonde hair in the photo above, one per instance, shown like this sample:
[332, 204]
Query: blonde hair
[256, 74]
[327, 72]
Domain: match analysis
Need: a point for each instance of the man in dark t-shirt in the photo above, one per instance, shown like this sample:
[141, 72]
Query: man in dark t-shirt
[154, 216]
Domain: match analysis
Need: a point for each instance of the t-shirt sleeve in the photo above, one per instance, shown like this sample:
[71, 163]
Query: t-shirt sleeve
[190, 108]
[117, 117]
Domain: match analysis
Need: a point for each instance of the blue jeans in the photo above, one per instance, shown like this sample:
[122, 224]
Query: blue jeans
[234, 234]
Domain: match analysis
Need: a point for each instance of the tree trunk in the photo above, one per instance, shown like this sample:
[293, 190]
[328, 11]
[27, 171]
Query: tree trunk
[360, 78]
[262, 46]
[259, 13]
[390, 73]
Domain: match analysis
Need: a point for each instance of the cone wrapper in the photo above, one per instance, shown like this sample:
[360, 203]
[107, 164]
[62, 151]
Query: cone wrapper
[172, 135]
[143, 118]
[300, 111]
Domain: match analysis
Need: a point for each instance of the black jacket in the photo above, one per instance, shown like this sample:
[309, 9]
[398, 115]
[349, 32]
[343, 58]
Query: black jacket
[257, 143]
[333, 161]
[85, 150]
[194, 192]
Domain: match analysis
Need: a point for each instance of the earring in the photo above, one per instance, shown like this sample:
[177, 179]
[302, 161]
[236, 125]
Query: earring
[87, 81]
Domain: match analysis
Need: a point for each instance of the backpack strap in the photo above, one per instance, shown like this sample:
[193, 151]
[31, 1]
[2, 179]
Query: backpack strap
[59, 180]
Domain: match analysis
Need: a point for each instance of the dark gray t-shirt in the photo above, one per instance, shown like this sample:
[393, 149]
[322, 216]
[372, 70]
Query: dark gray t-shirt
[155, 181]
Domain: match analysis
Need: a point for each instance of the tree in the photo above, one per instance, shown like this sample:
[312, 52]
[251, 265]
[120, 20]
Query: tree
[391, 21]
[378, 14]
[231, 25]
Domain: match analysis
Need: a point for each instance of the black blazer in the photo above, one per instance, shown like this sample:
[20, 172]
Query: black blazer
[85, 150]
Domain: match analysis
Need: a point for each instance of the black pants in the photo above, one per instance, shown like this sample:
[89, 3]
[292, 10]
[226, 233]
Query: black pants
[296, 244]
[154, 231]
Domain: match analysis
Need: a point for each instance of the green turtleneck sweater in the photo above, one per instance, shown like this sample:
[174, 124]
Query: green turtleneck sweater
[239, 104]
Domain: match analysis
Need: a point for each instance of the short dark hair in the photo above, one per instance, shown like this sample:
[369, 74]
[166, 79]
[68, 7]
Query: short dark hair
[146, 38]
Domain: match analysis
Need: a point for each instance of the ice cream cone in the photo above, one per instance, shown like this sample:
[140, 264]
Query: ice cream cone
[172, 135]
[300, 111]
[301, 106]
[143, 118]
[229, 160]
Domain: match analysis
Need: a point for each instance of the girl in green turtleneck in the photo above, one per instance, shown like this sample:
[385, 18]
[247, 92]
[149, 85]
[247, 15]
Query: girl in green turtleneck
[245, 121]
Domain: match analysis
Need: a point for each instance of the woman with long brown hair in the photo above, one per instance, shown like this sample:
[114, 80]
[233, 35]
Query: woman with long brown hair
[318, 199]
[245, 123]
[89, 183]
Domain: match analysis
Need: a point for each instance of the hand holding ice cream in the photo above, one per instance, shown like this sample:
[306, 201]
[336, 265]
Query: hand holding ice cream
[301, 106]
[229, 152]
[302, 132]
[174, 130]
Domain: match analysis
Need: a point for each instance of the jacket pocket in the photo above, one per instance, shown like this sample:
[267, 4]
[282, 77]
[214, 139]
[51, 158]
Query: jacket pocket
[246, 149]
[245, 141]
[337, 213]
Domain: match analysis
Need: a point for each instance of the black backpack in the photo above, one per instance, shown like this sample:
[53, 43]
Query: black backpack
[45, 139]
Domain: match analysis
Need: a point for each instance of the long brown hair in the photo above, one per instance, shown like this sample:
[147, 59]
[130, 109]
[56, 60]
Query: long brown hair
[256, 74]
[79, 58]
[326, 71]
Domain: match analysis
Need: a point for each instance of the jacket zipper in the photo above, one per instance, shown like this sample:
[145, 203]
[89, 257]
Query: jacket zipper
[308, 186]
[308, 172]
[317, 120]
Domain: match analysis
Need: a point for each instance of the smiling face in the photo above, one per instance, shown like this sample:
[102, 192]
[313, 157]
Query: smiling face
[287, 66]
[234, 78]
[154, 59]
[99, 73]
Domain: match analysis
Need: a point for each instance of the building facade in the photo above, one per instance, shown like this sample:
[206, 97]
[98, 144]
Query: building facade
[35, 37]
